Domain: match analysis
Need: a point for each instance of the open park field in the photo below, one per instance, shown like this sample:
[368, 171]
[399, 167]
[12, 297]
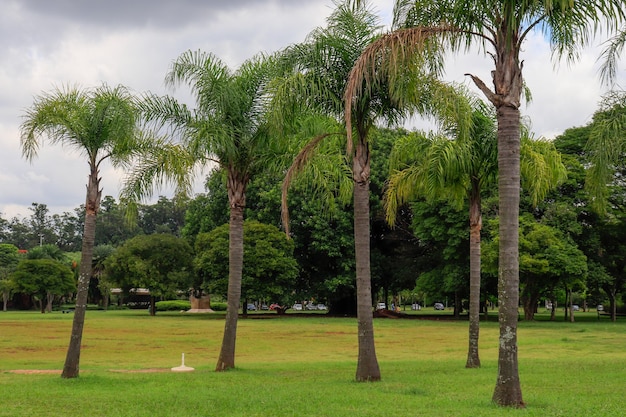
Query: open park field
[302, 365]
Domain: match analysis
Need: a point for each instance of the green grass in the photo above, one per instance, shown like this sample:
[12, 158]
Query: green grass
[303, 365]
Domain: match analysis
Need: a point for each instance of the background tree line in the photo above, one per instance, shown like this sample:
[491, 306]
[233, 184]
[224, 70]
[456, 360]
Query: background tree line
[567, 248]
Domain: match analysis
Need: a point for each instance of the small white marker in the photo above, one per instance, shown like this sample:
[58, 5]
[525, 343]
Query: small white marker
[182, 367]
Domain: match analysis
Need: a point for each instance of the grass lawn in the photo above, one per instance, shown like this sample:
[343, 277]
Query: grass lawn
[302, 365]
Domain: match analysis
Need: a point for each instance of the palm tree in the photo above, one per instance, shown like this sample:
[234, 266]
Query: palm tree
[227, 129]
[438, 167]
[499, 28]
[322, 66]
[100, 124]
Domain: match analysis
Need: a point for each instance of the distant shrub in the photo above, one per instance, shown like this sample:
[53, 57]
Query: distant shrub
[218, 306]
[173, 305]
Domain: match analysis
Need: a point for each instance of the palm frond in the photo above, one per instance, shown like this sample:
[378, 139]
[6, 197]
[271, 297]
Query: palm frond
[385, 61]
[605, 146]
[300, 162]
[610, 56]
[540, 167]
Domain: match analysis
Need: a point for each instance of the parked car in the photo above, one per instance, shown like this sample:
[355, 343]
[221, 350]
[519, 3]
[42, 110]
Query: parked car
[381, 306]
[575, 307]
[251, 307]
[264, 307]
[274, 306]
[310, 306]
[321, 306]
[439, 306]
[297, 307]
[416, 306]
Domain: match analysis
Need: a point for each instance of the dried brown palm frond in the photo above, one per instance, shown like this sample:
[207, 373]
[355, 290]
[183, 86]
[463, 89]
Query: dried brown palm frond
[387, 58]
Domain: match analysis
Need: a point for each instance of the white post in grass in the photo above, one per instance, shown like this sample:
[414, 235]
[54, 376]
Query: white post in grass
[182, 367]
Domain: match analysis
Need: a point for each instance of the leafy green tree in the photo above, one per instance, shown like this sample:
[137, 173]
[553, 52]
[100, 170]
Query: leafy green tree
[162, 263]
[4, 229]
[100, 124]
[46, 252]
[269, 268]
[112, 226]
[67, 229]
[41, 224]
[323, 238]
[443, 266]
[229, 128]
[207, 211]
[164, 216]
[598, 205]
[43, 278]
[500, 28]
[548, 259]
[9, 258]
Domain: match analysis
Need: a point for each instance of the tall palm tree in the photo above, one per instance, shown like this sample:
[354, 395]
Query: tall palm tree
[499, 28]
[101, 124]
[322, 66]
[441, 167]
[228, 129]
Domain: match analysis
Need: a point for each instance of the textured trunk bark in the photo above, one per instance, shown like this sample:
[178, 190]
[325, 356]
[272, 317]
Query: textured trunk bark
[612, 303]
[367, 366]
[49, 300]
[508, 390]
[152, 306]
[475, 220]
[508, 85]
[571, 308]
[530, 306]
[237, 198]
[92, 204]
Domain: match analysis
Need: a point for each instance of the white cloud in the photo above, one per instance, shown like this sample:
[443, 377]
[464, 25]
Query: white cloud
[51, 43]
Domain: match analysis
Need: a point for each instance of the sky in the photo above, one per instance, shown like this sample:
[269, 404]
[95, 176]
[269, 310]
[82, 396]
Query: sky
[55, 43]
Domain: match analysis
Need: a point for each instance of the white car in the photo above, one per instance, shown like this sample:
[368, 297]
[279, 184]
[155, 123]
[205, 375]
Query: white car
[297, 307]
[381, 306]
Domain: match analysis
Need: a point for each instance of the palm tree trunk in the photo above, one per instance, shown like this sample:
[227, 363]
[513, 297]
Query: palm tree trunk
[72, 359]
[475, 218]
[92, 204]
[237, 199]
[508, 390]
[367, 366]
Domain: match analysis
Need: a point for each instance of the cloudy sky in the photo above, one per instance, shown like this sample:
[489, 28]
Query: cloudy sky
[44, 44]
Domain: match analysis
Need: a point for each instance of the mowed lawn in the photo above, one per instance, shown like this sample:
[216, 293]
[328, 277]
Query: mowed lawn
[302, 365]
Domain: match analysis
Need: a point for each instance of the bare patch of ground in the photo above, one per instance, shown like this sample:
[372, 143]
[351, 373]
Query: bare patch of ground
[34, 371]
[56, 371]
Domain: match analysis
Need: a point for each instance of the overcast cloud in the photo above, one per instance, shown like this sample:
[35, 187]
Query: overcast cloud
[50, 43]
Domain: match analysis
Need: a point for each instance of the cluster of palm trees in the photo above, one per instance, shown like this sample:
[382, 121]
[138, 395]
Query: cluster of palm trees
[334, 86]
